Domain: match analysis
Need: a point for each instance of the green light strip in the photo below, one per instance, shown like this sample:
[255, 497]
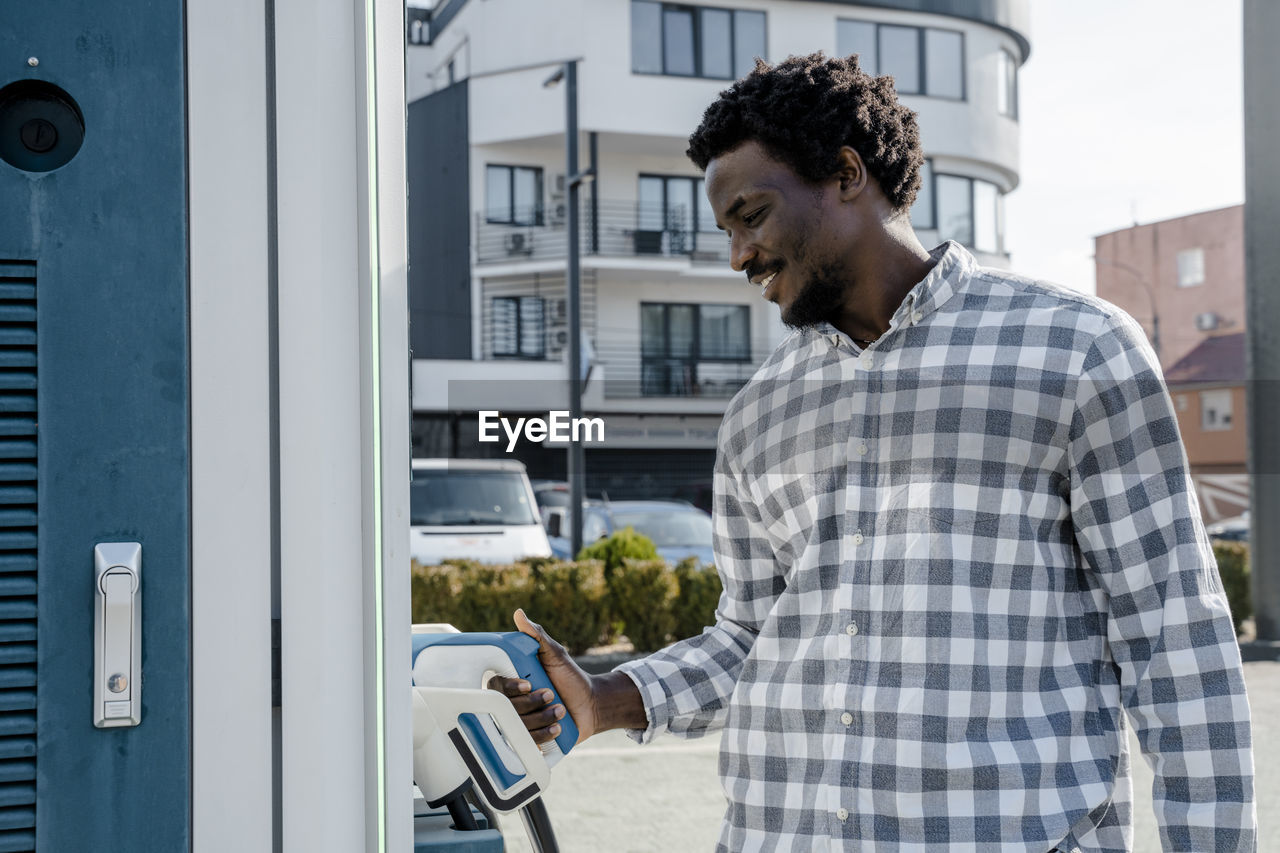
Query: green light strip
[375, 287]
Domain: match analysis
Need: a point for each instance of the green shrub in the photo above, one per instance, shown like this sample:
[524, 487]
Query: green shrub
[698, 591]
[624, 544]
[571, 601]
[1233, 566]
[568, 599]
[642, 592]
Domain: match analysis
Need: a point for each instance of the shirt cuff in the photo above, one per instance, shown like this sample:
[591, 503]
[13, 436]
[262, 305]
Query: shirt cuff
[652, 694]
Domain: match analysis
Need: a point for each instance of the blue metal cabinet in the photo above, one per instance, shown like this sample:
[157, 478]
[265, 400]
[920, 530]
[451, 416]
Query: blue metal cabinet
[94, 436]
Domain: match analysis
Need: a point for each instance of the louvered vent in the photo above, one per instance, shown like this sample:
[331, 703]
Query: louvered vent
[17, 556]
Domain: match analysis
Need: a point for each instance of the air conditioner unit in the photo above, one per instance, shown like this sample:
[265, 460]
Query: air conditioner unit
[518, 243]
[557, 210]
[1207, 322]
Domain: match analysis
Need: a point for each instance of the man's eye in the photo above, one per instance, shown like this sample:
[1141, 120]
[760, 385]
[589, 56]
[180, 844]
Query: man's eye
[753, 217]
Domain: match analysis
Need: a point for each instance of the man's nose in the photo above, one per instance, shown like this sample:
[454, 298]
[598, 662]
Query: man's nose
[741, 253]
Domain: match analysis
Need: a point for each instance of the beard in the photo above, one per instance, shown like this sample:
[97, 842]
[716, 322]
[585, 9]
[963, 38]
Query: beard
[819, 301]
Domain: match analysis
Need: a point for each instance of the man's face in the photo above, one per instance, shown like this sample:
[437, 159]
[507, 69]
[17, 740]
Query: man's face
[782, 232]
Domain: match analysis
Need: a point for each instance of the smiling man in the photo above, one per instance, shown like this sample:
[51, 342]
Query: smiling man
[960, 548]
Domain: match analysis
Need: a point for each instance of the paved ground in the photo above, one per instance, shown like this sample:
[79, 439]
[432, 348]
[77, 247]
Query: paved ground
[611, 795]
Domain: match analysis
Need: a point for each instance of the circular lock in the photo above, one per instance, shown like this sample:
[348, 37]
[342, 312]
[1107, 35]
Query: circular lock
[41, 126]
[117, 683]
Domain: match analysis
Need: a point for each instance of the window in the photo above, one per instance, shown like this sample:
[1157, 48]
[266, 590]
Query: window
[673, 216]
[967, 210]
[1190, 267]
[513, 195]
[518, 327]
[694, 41]
[1215, 409]
[675, 339]
[921, 60]
[1007, 84]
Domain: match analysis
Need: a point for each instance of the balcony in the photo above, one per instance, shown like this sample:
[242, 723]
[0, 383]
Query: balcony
[608, 229]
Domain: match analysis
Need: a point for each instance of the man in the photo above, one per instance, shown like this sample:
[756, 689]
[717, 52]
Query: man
[955, 526]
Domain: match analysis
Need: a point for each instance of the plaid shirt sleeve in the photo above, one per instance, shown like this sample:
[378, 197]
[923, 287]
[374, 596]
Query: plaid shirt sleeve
[686, 686]
[1137, 524]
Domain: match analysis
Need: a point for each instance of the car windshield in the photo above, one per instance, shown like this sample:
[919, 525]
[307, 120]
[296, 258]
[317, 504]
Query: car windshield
[454, 496]
[668, 527]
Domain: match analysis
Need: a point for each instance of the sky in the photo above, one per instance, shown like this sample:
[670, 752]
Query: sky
[1130, 111]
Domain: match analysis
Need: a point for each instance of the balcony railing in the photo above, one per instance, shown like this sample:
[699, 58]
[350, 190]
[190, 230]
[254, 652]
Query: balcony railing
[615, 229]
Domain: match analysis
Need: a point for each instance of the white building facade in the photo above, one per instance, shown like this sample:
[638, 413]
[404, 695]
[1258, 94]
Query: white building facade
[672, 329]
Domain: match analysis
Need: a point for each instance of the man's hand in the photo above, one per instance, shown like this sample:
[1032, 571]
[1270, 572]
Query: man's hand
[540, 716]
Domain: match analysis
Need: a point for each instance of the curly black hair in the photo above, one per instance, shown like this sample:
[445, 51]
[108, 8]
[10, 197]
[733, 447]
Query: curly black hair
[805, 108]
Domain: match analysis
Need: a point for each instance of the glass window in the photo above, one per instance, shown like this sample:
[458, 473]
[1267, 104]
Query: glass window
[513, 195]
[922, 209]
[1215, 409]
[526, 195]
[858, 37]
[955, 213]
[748, 32]
[717, 43]
[694, 41]
[723, 331]
[646, 37]
[651, 215]
[497, 194]
[518, 326]
[451, 496]
[1190, 267]
[653, 331]
[677, 41]
[900, 57]
[1007, 84]
[944, 63]
[986, 236]
[921, 60]
[681, 323]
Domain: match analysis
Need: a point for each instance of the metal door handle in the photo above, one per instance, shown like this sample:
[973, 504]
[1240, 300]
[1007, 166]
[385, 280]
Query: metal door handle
[117, 648]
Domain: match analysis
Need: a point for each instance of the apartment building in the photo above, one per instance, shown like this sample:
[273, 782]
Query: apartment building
[1183, 280]
[671, 331]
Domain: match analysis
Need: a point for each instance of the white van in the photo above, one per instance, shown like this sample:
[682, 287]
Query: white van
[474, 509]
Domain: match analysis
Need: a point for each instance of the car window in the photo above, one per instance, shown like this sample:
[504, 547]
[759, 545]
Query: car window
[668, 527]
[593, 528]
[442, 496]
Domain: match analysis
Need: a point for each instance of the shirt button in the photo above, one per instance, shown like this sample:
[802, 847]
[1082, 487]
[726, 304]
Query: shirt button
[867, 361]
[916, 317]
[843, 814]
[846, 718]
[858, 539]
[851, 629]
[835, 340]
[862, 450]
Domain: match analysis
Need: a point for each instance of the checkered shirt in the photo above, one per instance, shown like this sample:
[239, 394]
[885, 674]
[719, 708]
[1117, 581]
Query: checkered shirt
[949, 561]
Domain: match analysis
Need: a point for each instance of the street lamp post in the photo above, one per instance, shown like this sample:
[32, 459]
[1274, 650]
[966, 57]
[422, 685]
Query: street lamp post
[1151, 296]
[568, 72]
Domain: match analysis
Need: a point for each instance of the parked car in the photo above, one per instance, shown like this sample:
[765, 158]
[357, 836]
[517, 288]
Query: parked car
[676, 528]
[1234, 529]
[474, 509]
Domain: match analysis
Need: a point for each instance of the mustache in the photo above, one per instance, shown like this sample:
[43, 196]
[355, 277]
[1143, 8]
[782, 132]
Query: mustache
[762, 269]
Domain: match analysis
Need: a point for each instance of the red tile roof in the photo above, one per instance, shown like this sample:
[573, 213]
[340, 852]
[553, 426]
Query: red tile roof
[1218, 359]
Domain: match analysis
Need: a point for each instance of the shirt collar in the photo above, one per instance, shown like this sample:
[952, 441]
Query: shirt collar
[953, 266]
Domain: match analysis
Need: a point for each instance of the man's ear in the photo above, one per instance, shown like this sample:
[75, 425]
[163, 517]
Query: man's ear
[851, 172]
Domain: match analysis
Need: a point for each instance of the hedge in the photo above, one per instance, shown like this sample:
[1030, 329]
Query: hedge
[1233, 566]
[649, 601]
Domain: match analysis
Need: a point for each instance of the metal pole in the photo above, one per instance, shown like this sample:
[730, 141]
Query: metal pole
[577, 480]
[593, 158]
[1262, 305]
